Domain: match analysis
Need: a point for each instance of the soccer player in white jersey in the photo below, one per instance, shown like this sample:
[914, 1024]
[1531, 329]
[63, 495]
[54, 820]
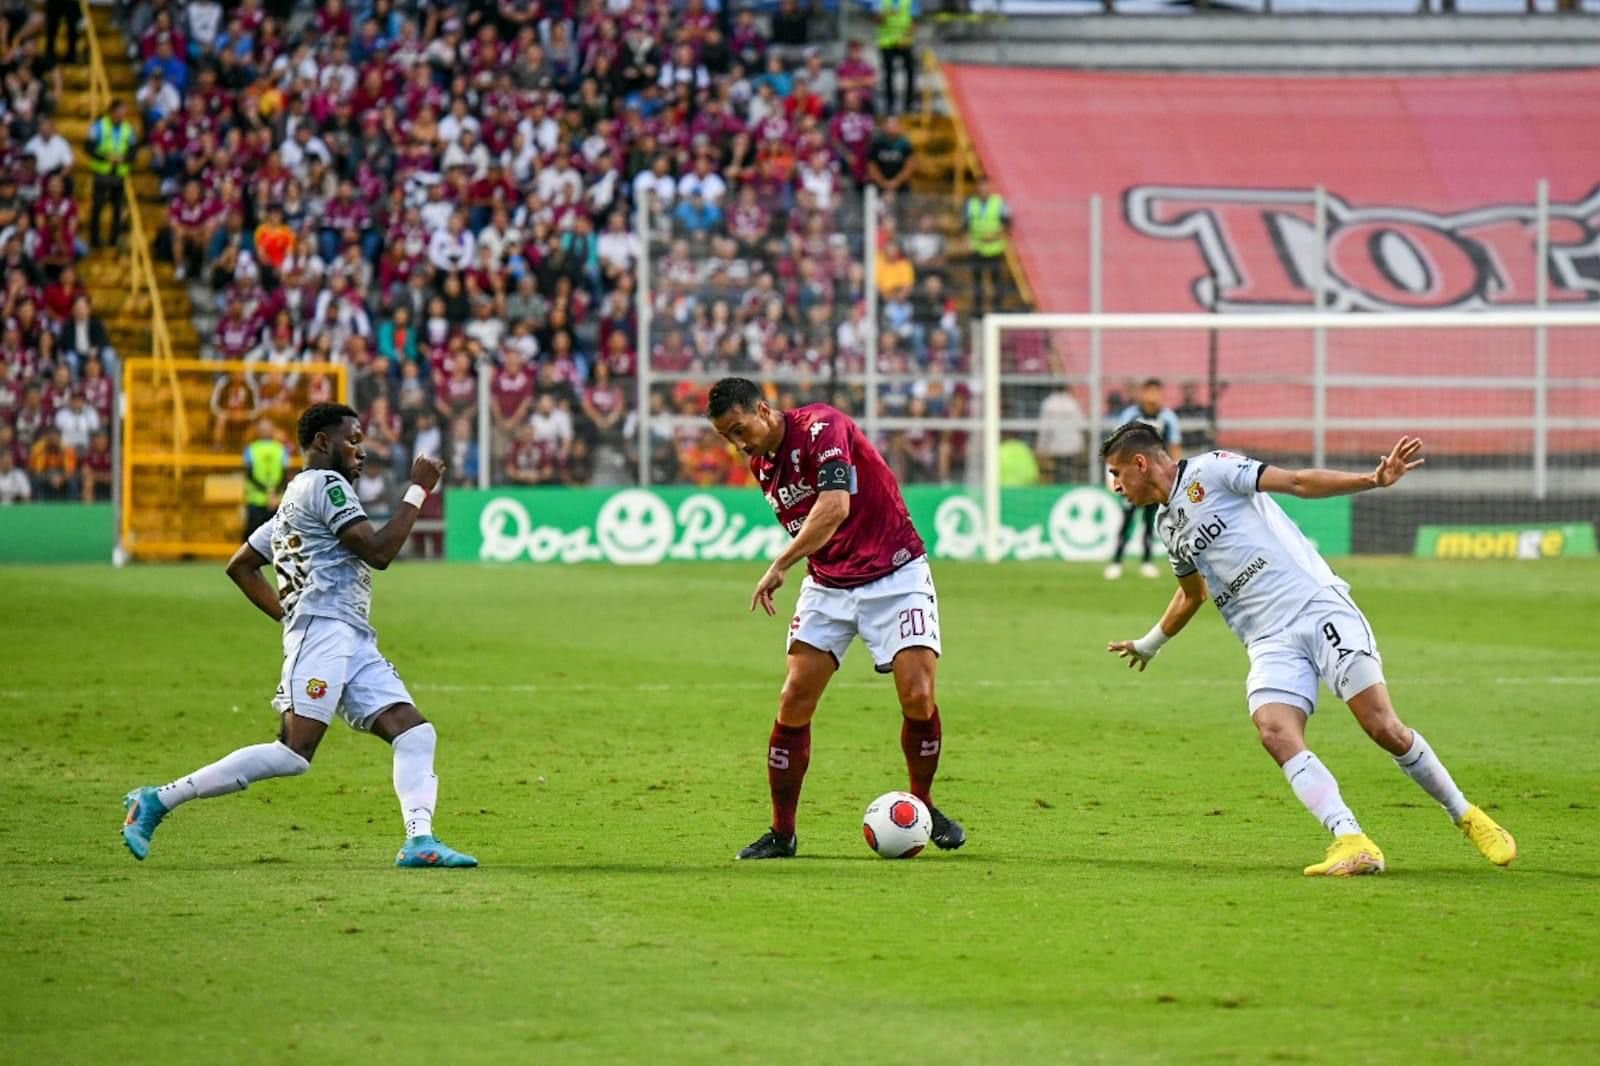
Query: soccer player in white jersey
[324, 549]
[1229, 541]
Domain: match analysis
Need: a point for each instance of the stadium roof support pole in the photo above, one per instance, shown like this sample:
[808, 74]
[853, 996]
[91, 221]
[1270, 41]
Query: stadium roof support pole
[1096, 298]
[642, 309]
[869, 258]
[1541, 344]
[1319, 335]
[990, 353]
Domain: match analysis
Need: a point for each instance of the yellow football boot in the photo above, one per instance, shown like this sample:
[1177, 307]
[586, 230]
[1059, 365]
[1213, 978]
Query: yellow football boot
[1349, 856]
[1488, 836]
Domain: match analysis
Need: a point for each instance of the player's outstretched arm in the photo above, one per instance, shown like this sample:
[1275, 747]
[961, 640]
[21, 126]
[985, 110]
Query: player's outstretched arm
[378, 547]
[245, 570]
[1191, 594]
[827, 515]
[1319, 484]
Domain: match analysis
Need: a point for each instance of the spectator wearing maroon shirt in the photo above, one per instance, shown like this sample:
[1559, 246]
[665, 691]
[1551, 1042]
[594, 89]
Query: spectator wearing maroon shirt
[869, 575]
[510, 397]
[456, 391]
[190, 223]
[94, 467]
[530, 461]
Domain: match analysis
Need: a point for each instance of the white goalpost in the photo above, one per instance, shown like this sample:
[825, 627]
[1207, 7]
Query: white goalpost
[1508, 403]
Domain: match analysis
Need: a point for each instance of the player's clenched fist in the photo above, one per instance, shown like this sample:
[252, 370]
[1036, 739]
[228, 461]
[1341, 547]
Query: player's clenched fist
[427, 471]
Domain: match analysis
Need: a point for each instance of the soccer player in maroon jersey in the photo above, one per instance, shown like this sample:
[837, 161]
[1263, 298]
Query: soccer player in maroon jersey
[869, 575]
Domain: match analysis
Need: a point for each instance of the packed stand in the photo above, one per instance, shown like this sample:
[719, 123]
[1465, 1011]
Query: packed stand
[57, 365]
[423, 190]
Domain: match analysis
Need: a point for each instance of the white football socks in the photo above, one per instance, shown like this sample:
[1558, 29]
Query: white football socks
[1423, 766]
[414, 781]
[232, 773]
[1317, 789]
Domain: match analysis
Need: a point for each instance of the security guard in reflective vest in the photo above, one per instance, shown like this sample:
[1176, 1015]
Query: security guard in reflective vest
[988, 222]
[266, 467]
[897, 32]
[111, 146]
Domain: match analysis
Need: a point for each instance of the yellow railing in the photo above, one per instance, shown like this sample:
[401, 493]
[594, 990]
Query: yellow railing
[967, 160]
[144, 291]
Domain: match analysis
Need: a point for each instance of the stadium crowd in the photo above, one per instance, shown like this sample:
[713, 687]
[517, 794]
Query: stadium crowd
[57, 365]
[423, 190]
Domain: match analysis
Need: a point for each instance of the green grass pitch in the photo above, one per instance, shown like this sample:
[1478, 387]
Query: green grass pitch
[1131, 891]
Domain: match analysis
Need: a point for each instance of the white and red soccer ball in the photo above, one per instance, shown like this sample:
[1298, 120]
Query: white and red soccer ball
[897, 825]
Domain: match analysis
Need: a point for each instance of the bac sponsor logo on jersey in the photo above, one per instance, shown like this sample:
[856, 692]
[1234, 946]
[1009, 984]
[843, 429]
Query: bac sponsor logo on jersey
[789, 495]
[1196, 492]
[1258, 250]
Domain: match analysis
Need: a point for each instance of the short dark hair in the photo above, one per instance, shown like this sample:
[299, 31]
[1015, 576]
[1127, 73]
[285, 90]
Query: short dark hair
[321, 416]
[1139, 438]
[730, 393]
[1151, 383]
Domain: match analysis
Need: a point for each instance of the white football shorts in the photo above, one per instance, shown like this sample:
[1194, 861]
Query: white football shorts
[329, 666]
[895, 612]
[1330, 641]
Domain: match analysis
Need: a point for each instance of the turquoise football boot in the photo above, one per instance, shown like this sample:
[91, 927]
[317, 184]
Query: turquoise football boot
[145, 813]
[430, 852]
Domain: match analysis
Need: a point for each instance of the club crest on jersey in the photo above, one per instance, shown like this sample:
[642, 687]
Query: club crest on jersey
[817, 428]
[794, 457]
[316, 688]
[1196, 492]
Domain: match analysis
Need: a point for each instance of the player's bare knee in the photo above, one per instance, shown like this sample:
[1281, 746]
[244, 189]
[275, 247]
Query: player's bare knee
[916, 701]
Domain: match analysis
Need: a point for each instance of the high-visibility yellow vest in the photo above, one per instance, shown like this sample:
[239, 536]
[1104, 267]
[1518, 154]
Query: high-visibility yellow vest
[269, 461]
[895, 31]
[986, 228]
[112, 147]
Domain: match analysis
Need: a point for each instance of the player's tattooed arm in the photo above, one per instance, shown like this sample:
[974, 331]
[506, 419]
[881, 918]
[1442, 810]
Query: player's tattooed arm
[378, 547]
[1318, 484]
[1190, 597]
[245, 570]
[827, 515]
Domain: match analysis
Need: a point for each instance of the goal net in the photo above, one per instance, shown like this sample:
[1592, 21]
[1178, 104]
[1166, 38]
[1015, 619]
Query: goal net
[1506, 403]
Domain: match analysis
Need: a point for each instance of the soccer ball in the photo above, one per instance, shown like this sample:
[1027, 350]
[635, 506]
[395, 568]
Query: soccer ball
[897, 825]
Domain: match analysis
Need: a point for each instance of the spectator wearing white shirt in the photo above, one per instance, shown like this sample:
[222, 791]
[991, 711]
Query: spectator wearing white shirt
[157, 98]
[50, 151]
[468, 153]
[552, 424]
[560, 182]
[498, 234]
[682, 69]
[14, 485]
[538, 128]
[453, 248]
[658, 179]
[435, 214]
[702, 181]
[298, 151]
[457, 122]
[485, 328]
[205, 19]
[77, 422]
[618, 246]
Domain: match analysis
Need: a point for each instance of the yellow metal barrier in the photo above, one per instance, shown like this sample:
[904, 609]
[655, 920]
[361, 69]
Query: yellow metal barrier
[181, 493]
[158, 374]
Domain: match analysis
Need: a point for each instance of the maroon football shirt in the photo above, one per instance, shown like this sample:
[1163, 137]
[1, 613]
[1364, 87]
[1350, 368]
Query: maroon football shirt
[877, 538]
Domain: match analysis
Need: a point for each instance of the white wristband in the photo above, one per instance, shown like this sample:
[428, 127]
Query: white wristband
[415, 495]
[1151, 642]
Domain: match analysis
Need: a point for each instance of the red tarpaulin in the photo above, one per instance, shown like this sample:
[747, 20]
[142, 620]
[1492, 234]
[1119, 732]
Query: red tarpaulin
[1431, 191]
